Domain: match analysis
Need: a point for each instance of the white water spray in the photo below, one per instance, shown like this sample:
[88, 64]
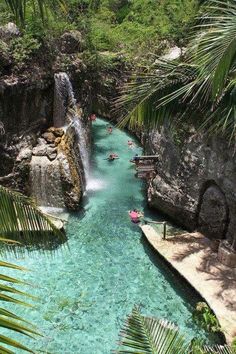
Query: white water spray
[65, 111]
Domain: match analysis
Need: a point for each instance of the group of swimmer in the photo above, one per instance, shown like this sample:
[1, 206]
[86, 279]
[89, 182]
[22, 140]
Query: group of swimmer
[134, 214]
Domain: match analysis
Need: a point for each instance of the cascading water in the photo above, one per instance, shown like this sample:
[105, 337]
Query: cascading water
[52, 165]
[60, 101]
[65, 112]
[77, 124]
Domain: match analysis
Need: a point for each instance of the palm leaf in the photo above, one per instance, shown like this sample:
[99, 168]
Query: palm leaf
[200, 90]
[215, 50]
[21, 220]
[218, 349]
[8, 320]
[146, 335]
[149, 335]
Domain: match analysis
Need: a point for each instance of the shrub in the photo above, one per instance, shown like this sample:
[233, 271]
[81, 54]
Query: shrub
[24, 48]
[205, 318]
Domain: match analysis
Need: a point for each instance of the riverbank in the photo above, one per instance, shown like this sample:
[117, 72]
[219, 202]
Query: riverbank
[192, 256]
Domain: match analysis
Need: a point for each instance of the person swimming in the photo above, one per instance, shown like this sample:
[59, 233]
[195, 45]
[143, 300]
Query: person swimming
[93, 117]
[135, 216]
[112, 156]
[131, 144]
[109, 129]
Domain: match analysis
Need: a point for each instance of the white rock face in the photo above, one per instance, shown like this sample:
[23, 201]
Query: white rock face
[174, 53]
[9, 30]
[24, 154]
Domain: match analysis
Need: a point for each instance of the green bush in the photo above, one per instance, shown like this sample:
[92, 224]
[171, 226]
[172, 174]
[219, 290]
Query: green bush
[205, 318]
[128, 25]
[23, 48]
[234, 344]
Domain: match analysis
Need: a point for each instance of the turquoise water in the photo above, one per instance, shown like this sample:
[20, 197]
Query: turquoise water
[85, 292]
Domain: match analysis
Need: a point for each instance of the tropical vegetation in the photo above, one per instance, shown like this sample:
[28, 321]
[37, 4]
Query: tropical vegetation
[142, 334]
[29, 227]
[199, 88]
[107, 25]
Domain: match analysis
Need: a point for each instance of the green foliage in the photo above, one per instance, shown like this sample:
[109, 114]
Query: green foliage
[200, 89]
[4, 48]
[20, 219]
[23, 48]
[9, 320]
[5, 15]
[122, 26]
[148, 335]
[127, 25]
[205, 318]
[40, 9]
[234, 344]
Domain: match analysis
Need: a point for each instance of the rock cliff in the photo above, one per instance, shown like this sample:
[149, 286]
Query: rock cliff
[195, 182]
[27, 108]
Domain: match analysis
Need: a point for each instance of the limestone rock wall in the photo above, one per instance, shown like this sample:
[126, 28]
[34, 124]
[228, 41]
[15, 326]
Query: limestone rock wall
[25, 106]
[55, 170]
[195, 183]
[26, 112]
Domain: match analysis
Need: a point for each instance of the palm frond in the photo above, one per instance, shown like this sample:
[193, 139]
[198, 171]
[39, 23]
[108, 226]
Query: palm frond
[151, 98]
[21, 220]
[8, 320]
[218, 349]
[200, 90]
[150, 335]
[147, 335]
[215, 49]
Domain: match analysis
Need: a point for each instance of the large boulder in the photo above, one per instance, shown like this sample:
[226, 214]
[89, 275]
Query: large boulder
[71, 42]
[196, 181]
[49, 137]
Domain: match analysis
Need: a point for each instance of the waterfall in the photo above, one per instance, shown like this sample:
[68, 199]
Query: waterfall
[81, 133]
[60, 100]
[45, 180]
[65, 112]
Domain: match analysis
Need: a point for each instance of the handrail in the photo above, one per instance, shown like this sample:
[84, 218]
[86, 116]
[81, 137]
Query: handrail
[160, 223]
[151, 157]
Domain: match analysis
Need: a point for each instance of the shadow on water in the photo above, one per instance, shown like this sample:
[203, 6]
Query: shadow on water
[42, 241]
